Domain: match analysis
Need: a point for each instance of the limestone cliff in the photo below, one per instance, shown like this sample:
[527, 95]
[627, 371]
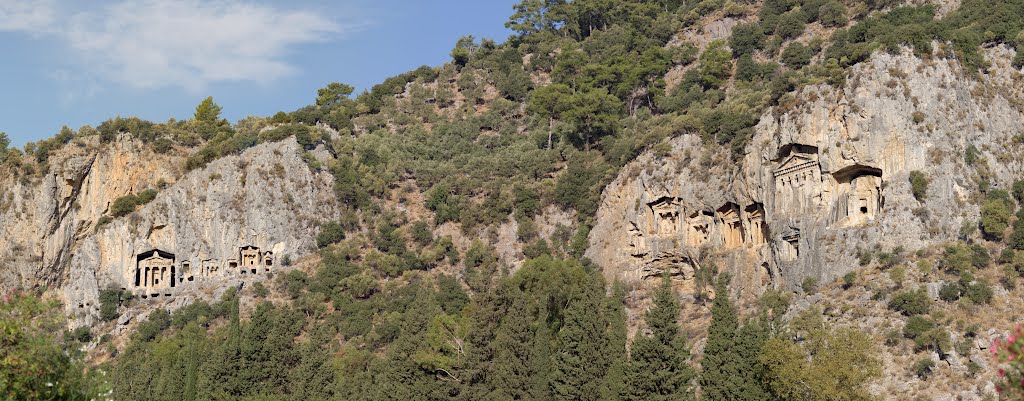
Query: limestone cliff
[261, 207]
[822, 178]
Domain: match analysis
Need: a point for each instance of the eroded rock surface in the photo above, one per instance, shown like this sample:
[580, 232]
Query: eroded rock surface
[819, 180]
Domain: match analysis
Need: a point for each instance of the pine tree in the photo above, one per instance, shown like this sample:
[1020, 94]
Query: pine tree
[722, 378]
[580, 364]
[208, 111]
[658, 368]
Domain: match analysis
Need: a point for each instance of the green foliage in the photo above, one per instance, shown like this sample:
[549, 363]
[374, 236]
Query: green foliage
[791, 24]
[911, 302]
[1018, 191]
[995, 219]
[657, 368]
[127, 204]
[330, 233]
[809, 285]
[746, 38]
[832, 14]
[156, 323]
[950, 292]
[831, 363]
[959, 257]
[33, 365]
[207, 111]
[722, 358]
[923, 368]
[797, 55]
[918, 185]
[259, 290]
[917, 326]
[109, 302]
[715, 65]
[979, 292]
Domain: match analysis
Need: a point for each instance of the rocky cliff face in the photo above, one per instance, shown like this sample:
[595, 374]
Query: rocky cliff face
[200, 233]
[822, 178]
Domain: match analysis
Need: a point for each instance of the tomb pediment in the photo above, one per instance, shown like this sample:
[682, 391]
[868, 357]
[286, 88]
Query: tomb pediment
[794, 163]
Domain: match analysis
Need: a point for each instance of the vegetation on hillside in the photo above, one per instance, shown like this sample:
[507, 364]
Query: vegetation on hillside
[504, 131]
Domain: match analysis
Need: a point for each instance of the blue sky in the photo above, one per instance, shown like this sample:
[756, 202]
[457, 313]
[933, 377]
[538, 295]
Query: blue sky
[74, 63]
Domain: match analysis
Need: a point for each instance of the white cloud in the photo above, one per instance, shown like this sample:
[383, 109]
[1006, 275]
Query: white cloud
[193, 43]
[186, 43]
[26, 16]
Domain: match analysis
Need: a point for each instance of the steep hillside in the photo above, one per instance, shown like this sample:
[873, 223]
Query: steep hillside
[780, 199]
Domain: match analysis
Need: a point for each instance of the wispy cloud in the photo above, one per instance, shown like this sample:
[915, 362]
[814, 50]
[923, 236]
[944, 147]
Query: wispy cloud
[26, 16]
[188, 44]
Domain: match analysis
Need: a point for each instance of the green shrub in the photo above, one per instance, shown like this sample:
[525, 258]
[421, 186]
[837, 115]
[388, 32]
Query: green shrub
[746, 38]
[157, 322]
[979, 292]
[912, 302]
[995, 219]
[123, 205]
[957, 258]
[330, 233]
[971, 155]
[849, 279]
[293, 283]
[259, 290]
[950, 292]
[923, 368]
[81, 334]
[832, 14]
[917, 326]
[109, 301]
[421, 233]
[791, 24]
[1018, 191]
[809, 285]
[919, 185]
[980, 258]
[797, 55]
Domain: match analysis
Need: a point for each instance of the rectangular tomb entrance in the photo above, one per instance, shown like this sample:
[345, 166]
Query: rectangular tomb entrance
[155, 270]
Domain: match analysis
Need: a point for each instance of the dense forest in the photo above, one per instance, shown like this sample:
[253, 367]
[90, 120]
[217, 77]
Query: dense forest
[546, 118]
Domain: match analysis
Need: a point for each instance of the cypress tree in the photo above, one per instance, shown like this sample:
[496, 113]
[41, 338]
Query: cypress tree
[658, 368]
[541, 363]
[486, 312]
[749, 341]
[615, 345]
[579, 363]
[510, 377]
[722, 378]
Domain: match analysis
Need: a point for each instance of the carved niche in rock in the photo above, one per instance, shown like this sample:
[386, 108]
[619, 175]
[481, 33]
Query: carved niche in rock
[155, 270]
[185, 273]
[732, 227]
[268, 261]
[637, 242]
[698, 228]
[665, 216]
[210, 268]
[756, 224]
[797, 179]
[859, 197]
[250, 257]
[789, 248]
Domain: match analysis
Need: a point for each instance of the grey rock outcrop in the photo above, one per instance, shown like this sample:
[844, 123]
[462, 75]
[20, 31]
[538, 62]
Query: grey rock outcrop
[820, 181]
[267, 198]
